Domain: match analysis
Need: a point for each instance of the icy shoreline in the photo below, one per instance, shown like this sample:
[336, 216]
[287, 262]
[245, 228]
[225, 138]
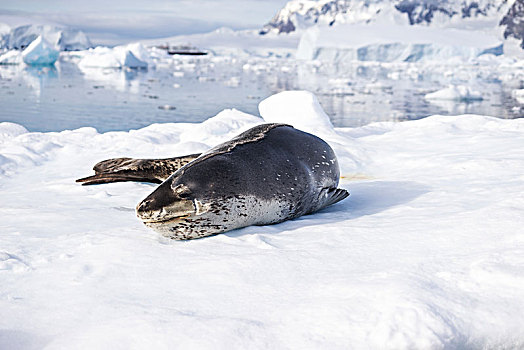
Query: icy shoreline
[426, 252]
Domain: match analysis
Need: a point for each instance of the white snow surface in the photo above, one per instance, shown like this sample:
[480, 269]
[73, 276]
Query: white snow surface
[426, 253]
[391, 42]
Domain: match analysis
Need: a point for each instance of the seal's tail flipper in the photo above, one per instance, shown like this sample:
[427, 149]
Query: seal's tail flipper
[140, 170]
[330, 195]
[335, 195]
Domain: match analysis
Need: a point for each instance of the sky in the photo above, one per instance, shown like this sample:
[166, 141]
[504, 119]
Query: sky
[115, 21]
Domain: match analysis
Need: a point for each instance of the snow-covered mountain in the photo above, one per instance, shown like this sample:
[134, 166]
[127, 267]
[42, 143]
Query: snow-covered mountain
[301, 14]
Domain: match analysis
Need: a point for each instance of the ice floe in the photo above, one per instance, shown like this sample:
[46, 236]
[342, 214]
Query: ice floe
[425, 253]
[460, 93]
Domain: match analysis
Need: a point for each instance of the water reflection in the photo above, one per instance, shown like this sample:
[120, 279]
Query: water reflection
[353, 93]
[36, 78]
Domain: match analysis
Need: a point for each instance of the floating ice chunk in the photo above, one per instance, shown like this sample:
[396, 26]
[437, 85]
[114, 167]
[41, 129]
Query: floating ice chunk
[298, 108]
[100, 57]
[518, 95]
[131, 61]
[232, 82]
[167, 107]
[40, 53]
[456, 93]
[130, 56]
[11, 58]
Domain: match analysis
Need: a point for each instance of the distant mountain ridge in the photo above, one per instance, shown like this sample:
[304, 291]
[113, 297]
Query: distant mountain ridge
[483, 15]
[301, 14]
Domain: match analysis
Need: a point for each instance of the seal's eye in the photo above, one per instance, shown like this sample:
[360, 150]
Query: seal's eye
[182, 191]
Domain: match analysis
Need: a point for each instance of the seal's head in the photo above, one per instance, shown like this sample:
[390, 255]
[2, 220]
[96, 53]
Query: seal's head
[174, 211]
[191, 204]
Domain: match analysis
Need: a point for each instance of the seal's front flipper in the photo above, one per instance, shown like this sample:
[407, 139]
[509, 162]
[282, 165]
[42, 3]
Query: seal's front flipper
[330, 195]
[139, 170]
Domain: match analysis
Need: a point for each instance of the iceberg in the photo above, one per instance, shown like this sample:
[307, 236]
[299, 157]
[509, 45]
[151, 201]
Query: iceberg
[131, 61]
[63, 38]
[393, 43]
[40, 53]
[128, 56]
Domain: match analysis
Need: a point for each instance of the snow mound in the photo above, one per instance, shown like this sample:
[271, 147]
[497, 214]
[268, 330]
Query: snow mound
[300, 109]
[62, 38]
[8, 130]
[456, 93]
[128, 56]
[40, 53]
[389, 43]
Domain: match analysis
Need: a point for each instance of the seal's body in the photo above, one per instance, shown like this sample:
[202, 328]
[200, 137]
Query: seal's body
[266, 175]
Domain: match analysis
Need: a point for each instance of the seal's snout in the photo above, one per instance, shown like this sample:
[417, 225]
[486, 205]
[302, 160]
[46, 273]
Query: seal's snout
[163, 205]
[163, 196]
[149, 210]
[145, 207]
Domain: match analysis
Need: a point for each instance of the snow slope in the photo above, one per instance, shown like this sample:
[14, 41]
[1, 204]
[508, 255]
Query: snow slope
[225, 41]
[427, 252]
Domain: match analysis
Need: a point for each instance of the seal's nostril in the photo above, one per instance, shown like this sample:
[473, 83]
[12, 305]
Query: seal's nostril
[144, 206]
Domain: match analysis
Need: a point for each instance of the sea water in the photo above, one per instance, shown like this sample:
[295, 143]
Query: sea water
[186, 89]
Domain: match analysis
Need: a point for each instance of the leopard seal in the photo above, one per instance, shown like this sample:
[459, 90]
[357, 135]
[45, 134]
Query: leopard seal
[266, 175]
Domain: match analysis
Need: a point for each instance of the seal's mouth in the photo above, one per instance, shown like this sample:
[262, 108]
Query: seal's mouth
[159, 209]
[159, 221]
